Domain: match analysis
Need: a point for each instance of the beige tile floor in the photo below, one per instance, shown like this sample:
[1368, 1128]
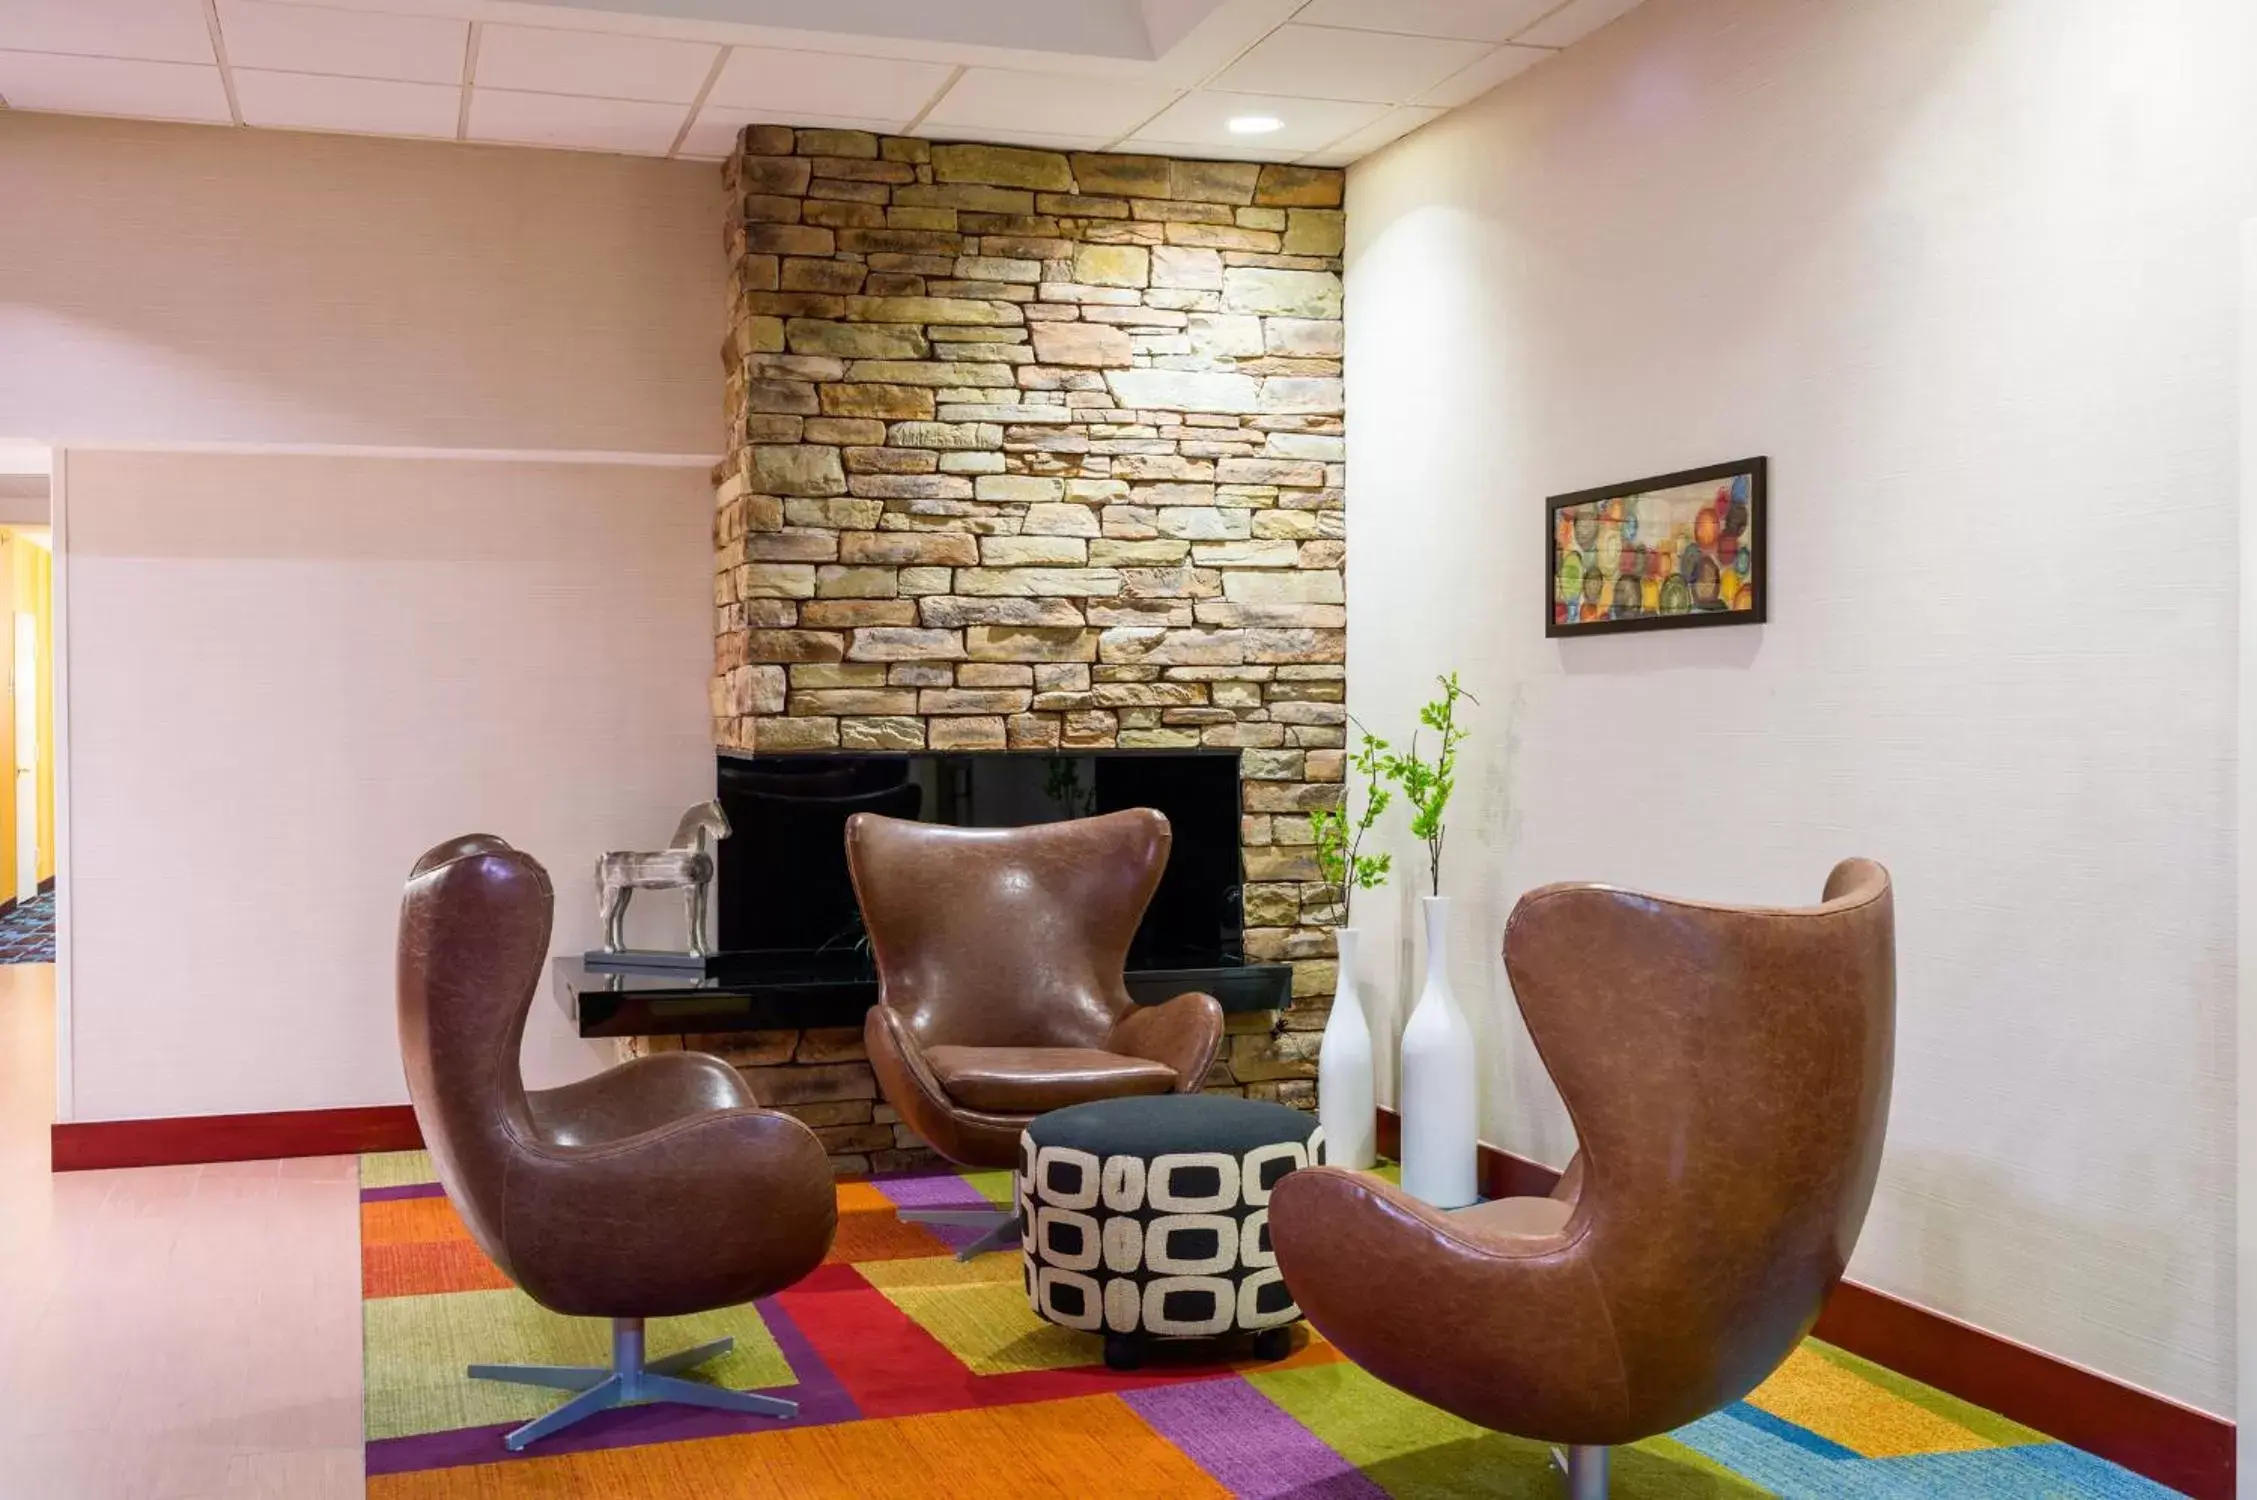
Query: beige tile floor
[168, 1333]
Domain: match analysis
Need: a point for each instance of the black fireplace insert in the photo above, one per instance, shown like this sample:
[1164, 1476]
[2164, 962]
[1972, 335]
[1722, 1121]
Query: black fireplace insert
[792, 949]
[783, 888]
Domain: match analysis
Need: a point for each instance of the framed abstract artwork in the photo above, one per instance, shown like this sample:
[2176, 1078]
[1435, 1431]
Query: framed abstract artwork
[1668, 553]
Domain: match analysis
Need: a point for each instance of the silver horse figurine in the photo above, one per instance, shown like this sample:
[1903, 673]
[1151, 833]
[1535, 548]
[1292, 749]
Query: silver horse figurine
[686, 867]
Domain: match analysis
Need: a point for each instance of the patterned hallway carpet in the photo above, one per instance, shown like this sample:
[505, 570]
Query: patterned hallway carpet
[917, 1376]
[27, 934]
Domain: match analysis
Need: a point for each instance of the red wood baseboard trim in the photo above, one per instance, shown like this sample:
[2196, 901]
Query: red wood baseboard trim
[87, 1144]
[2191, 1451]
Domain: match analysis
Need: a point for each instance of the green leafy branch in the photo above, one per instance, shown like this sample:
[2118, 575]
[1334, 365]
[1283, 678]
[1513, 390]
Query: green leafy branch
[1427, 785]
[1340, 839]
[1062, 785]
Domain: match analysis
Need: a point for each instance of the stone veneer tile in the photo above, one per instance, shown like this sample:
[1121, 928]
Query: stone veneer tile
[1033, 450]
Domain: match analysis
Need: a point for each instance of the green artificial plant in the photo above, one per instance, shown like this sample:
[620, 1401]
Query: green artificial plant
[1340, 836]
[1427, 785]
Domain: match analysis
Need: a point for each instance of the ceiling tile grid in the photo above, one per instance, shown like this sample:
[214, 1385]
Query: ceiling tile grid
[343, 43]
[993, 99]
[833, 85]
[591, 64]
[357, 106]
[1318, 81]
[133, 30]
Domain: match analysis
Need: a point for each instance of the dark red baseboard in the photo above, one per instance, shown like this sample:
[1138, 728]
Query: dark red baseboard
[2191, 1451]
[84, 1145]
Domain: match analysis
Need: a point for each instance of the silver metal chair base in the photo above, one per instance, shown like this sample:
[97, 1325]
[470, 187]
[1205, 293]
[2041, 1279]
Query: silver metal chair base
[1001, 1224]
[628, 1381]
[1586, 1471]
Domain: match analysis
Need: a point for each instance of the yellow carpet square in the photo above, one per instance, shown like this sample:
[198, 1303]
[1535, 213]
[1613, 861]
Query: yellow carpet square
[397, 1169]
[1819, 1395]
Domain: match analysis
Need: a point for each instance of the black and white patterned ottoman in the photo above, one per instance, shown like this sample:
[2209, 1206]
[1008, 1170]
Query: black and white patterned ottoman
[1149, 1218]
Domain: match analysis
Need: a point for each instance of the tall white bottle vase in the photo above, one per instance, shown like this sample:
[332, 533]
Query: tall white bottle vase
[1439, 1103]
[1347, 1105]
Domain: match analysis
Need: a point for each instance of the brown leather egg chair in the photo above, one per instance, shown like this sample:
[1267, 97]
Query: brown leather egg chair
[1001, 956]
[656, 1189]
[1728, 1073]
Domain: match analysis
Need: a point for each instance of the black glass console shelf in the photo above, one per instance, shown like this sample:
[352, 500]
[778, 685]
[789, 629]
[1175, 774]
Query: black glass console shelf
[780, 992]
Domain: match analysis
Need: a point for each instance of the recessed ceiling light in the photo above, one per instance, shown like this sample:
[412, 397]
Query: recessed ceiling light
[1255, 124]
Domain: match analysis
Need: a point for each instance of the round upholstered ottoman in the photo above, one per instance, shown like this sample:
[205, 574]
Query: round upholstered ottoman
[1149, 1218]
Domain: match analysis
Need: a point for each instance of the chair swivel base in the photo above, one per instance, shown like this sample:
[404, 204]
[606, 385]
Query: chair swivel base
[627, 1381]
[999, 1226]
[1585, 1470]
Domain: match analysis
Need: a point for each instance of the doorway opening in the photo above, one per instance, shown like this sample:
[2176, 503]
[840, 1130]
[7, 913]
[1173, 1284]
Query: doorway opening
[31, 1021]
[27, 706]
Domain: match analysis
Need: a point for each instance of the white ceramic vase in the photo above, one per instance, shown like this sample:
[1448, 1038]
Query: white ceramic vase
[1346, 1105]
[1439, 1102]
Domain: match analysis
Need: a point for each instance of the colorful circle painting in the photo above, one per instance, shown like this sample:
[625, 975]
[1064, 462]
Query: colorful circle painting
[1610, 549]
[1682, 550]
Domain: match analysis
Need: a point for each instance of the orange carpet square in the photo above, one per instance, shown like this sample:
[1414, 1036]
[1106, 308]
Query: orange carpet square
[870, 1228]
[419, 1270]
[1091, 1446]
[410, 1221]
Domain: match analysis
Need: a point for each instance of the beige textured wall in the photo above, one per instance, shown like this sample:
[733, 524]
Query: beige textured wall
[172, 283]
[289, 677]
[291, 674]
[1966, 271]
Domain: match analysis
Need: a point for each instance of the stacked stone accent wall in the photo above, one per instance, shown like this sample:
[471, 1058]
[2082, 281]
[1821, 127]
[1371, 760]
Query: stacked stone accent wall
[1034, 451]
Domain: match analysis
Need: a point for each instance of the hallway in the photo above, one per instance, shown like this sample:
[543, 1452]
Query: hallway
[173, 1333]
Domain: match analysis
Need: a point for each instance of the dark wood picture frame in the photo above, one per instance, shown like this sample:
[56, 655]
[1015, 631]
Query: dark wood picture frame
[1758, 583]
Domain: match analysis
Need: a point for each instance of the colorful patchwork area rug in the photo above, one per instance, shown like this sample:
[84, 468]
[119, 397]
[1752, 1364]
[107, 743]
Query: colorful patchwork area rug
[920, 1376]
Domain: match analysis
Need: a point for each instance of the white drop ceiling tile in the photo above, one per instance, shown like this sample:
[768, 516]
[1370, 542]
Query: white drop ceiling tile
[362, 106]
[150, 30]
[1308, 124]
[714, 135]
[1326, 62]
[113, 86]
[827, 83]
[1391, 127]
[1465, 87]
[348, 43]
[1209, 151]
[1049, 103]
[1465, 20]
[1041, 140]
[595, 64]
[1575, 21]
[633, 127]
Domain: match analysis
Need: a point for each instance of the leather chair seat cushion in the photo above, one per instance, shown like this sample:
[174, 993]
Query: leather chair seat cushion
[1033, 1080]
[636, 1097]
[1528, 1218]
